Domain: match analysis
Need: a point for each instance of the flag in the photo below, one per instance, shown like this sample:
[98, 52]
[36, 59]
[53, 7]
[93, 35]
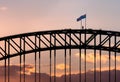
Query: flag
[81, 17]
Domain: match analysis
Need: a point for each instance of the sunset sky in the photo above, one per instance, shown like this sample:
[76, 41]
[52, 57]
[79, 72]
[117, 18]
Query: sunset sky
[20, 16]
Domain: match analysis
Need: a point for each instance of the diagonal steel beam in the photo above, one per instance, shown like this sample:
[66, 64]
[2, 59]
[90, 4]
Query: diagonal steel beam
[12, 46]
[57, 40]
[90, 38]
[118, 43]
[3, 50]
[78, 38]
[27, 43]
[72, 39]
[32, 42]
[48, 40]
[16, 44]
[63, 39]
[105, 40]
[1, 54]
[43, 42]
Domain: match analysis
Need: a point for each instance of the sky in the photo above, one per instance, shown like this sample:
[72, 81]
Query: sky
[21, 16]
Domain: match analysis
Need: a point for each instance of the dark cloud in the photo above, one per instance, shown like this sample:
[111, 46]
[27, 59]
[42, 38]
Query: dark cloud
[15, 76]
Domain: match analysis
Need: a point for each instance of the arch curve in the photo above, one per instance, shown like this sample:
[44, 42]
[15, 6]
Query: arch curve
[15, 45]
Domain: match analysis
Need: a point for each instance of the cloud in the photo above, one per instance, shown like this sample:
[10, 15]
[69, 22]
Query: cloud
[106, 68]
[104, 58]
[14, 75]
[29, 69]
[90, 57]
[62, 67]
[3, 8]
[117, 58]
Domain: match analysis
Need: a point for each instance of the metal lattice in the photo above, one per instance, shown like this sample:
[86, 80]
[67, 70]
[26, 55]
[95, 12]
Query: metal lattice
[66, 40]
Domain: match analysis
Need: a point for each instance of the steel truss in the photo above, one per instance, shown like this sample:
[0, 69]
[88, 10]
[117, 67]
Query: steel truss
[21, 44]
[15, 42]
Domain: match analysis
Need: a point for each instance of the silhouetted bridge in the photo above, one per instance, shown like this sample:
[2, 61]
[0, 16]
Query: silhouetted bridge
[52, 56]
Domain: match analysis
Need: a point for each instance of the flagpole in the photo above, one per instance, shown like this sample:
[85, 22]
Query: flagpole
[81, 23]
[85, 23]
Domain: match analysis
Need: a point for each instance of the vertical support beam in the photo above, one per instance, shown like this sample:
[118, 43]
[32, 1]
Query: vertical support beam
[5, 61]
[50, 60]
[20, 59]
[65, 57]
[24, 60]
[35, 57]
[94, 59]
[70, 59]
[39, 59]
[85, 55]
[8, 60]
[100, 56]
[115, 58]
[109, 59]
[54, 57]
[80, 59]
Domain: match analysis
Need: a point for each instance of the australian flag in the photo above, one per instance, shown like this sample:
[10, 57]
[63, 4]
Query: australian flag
[81, 17]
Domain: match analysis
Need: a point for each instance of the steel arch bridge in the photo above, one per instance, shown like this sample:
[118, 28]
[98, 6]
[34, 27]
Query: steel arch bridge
[83, 40]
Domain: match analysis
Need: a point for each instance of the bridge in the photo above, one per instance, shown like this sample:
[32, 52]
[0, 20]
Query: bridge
[68, 55]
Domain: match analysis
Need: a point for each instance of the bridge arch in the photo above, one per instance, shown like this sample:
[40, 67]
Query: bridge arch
[82, 39]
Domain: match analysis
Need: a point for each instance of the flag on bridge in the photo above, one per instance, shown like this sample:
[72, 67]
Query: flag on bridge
[81, 17]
